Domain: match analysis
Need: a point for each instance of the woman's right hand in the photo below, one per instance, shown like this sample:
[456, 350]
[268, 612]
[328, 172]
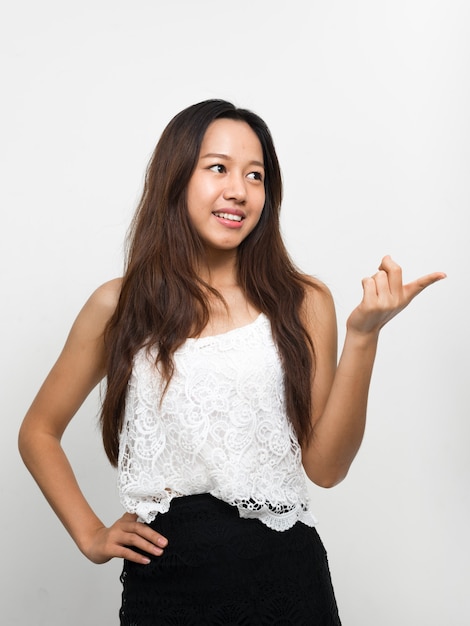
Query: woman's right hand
[119, 540]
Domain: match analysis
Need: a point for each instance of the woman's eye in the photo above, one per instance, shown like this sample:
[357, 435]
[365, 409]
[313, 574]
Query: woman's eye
[255, 175]
[218, 167]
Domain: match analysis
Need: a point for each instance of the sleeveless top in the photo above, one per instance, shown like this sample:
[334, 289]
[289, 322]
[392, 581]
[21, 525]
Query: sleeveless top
[220, 428]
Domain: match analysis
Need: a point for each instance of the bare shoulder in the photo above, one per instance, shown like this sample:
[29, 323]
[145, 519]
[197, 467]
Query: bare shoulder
[98, 309]
[106, 296]
[81, 364]
[318, 303]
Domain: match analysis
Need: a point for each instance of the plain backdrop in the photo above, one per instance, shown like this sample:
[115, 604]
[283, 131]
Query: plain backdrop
[368, 103]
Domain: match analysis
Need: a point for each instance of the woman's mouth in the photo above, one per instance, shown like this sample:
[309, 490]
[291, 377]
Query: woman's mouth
[233, 217]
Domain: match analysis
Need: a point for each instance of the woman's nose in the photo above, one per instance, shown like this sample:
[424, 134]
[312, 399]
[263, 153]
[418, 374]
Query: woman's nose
[235, 189]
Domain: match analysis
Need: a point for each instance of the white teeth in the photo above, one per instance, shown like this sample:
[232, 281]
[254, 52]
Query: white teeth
[229, 216]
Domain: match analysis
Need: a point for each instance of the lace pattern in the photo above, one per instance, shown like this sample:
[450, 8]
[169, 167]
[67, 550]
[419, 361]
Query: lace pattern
[221, 428]
[219, 569]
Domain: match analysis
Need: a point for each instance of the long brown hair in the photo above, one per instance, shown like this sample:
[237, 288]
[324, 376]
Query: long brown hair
[163, 301]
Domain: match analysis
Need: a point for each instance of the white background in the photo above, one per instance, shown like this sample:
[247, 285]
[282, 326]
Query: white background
[369, 106]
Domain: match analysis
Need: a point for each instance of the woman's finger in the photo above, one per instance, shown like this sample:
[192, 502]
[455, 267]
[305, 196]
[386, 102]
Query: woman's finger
[394, 274]
[139, 544]
[128, 522]
[412, 289]
[135, 557]
[385, 296]
[145, 531]
[382, 283]
[127, 538]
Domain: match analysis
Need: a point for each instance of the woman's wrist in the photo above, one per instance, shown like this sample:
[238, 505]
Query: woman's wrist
[362, 339]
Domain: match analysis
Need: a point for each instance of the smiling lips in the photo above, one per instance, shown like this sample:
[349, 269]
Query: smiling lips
[232, 218]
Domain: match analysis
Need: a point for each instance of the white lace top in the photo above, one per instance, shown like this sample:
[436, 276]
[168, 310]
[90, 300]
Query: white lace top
[221, 429]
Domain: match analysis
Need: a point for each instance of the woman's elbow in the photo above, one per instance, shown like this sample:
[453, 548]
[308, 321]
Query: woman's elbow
[326, 478]
[31, 438]
[25, 441]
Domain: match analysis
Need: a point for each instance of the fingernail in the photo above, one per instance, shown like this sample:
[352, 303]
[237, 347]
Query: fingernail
[157, 551]
[162, 541]
[145, 561]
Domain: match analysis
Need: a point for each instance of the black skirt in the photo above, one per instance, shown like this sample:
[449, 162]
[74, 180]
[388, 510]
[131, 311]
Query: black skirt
[219, 569]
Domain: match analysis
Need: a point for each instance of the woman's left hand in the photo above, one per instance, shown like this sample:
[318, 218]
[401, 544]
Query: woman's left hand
[385, 295]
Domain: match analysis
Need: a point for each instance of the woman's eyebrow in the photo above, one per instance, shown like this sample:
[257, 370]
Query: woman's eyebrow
[219, 155]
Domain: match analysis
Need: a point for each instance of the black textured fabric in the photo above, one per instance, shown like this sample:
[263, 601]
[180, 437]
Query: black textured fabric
[219, 569]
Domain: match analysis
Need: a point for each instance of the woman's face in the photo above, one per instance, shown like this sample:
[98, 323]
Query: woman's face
[226, 190]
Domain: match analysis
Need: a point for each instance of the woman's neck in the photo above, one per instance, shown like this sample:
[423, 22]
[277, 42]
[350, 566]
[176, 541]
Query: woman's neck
[219, 270]
[233, 310]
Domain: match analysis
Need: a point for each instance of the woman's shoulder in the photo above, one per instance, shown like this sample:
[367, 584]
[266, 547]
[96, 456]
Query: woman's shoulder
[316, 291]
[101, 305]
[318, 302]
[106, 296]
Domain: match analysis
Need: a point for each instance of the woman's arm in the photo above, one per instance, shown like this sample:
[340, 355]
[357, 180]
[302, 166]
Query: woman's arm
[79, 368]
[339, 394]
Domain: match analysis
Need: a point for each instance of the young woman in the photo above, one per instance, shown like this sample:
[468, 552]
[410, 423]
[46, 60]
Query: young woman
[222, 383]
